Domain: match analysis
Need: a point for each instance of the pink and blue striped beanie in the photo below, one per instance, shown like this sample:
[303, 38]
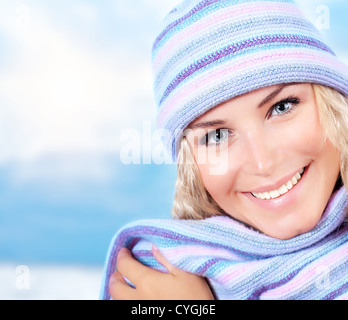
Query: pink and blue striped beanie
[210, 51]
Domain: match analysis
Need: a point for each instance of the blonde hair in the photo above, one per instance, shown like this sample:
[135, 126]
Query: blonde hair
[193, 201]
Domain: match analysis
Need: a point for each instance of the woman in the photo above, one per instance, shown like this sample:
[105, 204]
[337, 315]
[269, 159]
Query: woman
[256, 110]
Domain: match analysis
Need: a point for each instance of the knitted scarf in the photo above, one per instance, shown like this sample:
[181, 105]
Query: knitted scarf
[241, 263]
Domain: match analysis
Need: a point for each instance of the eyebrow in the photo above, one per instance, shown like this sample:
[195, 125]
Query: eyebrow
[213, 123]
[207, 124]
[274, 94]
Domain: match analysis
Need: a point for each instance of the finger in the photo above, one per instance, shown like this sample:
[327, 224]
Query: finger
[118, 287]
[163, 261]
[132, 269]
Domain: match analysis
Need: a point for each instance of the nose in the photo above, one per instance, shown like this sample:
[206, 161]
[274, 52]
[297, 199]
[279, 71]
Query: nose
[260, 154]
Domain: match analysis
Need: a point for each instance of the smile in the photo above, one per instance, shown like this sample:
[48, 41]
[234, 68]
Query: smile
[285, 188]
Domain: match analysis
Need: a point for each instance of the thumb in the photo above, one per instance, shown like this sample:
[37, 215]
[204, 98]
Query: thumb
[163, 261]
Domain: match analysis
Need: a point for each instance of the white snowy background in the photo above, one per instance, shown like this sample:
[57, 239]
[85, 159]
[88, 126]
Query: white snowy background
[74, 77]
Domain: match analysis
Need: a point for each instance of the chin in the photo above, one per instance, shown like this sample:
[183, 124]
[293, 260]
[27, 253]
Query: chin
[286, 231]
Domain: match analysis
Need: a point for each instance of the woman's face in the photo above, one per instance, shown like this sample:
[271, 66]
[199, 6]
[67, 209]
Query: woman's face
[263, 159]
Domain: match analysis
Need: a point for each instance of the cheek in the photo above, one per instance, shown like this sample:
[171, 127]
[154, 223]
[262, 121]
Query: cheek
[218, 183]
[211, 182]
[308, 142]
[304, 138]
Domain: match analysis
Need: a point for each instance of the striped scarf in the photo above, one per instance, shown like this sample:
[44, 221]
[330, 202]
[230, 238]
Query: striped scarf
[241, 263]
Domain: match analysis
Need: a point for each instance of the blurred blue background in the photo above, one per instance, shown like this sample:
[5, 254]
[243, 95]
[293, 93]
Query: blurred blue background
[75, 77]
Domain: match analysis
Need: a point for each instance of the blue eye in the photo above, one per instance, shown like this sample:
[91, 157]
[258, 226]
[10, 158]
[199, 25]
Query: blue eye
[283, 107]
[216, 137]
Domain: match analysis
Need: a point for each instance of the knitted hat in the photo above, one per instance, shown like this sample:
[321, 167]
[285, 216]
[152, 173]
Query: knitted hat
[213, 50]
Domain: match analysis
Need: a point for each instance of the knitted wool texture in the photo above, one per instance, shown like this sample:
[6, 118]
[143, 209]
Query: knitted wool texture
[213, 50]
[241, 263]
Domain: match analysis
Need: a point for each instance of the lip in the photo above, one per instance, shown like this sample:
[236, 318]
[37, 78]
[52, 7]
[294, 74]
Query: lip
[277, 185]
[282, 200]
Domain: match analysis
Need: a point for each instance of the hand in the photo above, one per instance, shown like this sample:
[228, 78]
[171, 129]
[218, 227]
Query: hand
[155, 285]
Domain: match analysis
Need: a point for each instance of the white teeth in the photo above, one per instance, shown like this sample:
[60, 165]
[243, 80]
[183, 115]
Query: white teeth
[267, 195]
[293, 180]
[282, 190]
[274, 194]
